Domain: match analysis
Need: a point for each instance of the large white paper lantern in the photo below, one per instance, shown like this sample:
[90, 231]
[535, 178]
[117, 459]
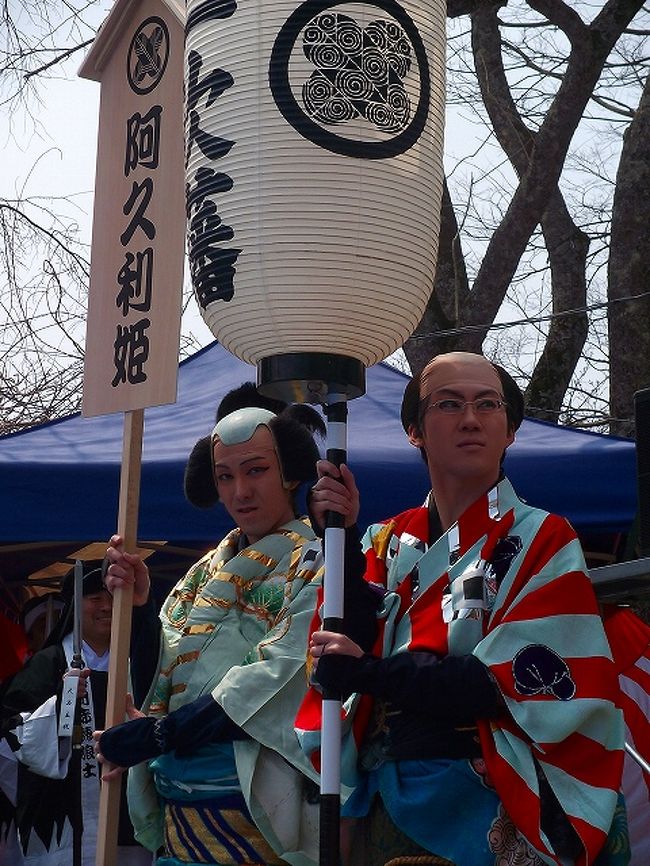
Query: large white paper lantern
[314, 175]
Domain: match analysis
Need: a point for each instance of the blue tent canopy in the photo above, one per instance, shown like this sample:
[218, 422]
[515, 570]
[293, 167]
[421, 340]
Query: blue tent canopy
[60, 481]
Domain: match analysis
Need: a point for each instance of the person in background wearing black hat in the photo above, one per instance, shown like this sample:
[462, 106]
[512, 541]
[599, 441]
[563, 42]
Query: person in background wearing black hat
[38, 617]
[53, 777]
[493, 733]
[217, 757]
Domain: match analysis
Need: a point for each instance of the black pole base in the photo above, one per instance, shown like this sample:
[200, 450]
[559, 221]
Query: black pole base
[308, 377]
[330, 821]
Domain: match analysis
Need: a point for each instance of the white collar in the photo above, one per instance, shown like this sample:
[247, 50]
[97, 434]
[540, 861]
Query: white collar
[92, 660]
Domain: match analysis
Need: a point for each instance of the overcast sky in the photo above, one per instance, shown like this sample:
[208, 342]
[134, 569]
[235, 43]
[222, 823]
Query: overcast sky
[58, 157]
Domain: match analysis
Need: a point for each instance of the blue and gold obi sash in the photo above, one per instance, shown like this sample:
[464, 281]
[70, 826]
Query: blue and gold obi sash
[206, 819]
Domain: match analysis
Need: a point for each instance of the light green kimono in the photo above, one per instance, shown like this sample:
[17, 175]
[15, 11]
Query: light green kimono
[237, 626]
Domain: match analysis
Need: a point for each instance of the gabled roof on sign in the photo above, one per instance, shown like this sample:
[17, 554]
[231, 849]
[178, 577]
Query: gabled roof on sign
[112, 29]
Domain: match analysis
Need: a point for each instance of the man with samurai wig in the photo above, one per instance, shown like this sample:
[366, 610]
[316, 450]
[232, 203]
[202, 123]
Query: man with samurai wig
[483, 727]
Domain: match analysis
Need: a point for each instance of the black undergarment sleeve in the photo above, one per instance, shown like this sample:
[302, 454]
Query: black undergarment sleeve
[361, 600]
[184, 731]
[454, 689]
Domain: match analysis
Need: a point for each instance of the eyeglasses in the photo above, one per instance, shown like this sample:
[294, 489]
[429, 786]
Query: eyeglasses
[482, 405]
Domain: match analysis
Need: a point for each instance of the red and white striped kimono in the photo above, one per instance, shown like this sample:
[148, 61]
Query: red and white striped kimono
[629, 639]
[508, 583]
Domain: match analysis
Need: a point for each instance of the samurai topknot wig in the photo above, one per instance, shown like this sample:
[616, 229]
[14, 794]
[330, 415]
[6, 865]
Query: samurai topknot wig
[514, 399]
[292, 428]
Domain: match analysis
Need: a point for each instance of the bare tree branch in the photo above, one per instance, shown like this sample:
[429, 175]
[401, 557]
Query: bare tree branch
[58, 59]
[563, 16]
[537, 184]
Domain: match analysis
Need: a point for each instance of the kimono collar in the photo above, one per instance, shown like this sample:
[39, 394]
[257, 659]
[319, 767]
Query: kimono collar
[480, 518]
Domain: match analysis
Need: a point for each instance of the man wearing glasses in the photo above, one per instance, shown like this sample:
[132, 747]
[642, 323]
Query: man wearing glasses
[485, 727]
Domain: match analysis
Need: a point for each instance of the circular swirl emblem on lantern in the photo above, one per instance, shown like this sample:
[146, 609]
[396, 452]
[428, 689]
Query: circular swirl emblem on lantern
[314, 171]
[365, 77]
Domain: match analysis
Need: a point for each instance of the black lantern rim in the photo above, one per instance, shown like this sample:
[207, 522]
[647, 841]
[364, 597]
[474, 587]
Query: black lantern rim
[309, 377]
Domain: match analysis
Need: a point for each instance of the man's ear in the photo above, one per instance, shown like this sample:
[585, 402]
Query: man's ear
[415, 436]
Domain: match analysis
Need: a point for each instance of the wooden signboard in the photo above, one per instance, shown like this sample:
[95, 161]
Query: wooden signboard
[133, 328]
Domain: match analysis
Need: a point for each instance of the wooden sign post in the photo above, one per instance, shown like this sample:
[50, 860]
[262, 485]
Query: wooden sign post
[132, 336]
[127, 522]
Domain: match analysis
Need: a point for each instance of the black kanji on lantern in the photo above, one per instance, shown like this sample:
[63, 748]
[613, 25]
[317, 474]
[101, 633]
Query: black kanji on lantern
[212, 267]
[212, 85]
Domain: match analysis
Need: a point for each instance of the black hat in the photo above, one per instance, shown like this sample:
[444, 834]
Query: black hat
[38, 606]
[92, 582]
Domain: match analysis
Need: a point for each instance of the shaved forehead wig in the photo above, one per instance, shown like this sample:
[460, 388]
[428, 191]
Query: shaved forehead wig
[514, 399]
[292, 429]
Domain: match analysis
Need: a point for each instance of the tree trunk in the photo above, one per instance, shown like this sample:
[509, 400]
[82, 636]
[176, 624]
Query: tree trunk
[450, 290]
[539, 160]
[567, 246]
[629, 273]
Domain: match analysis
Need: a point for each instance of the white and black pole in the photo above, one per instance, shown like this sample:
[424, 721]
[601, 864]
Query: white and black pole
[333, 610]
[331, 381]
